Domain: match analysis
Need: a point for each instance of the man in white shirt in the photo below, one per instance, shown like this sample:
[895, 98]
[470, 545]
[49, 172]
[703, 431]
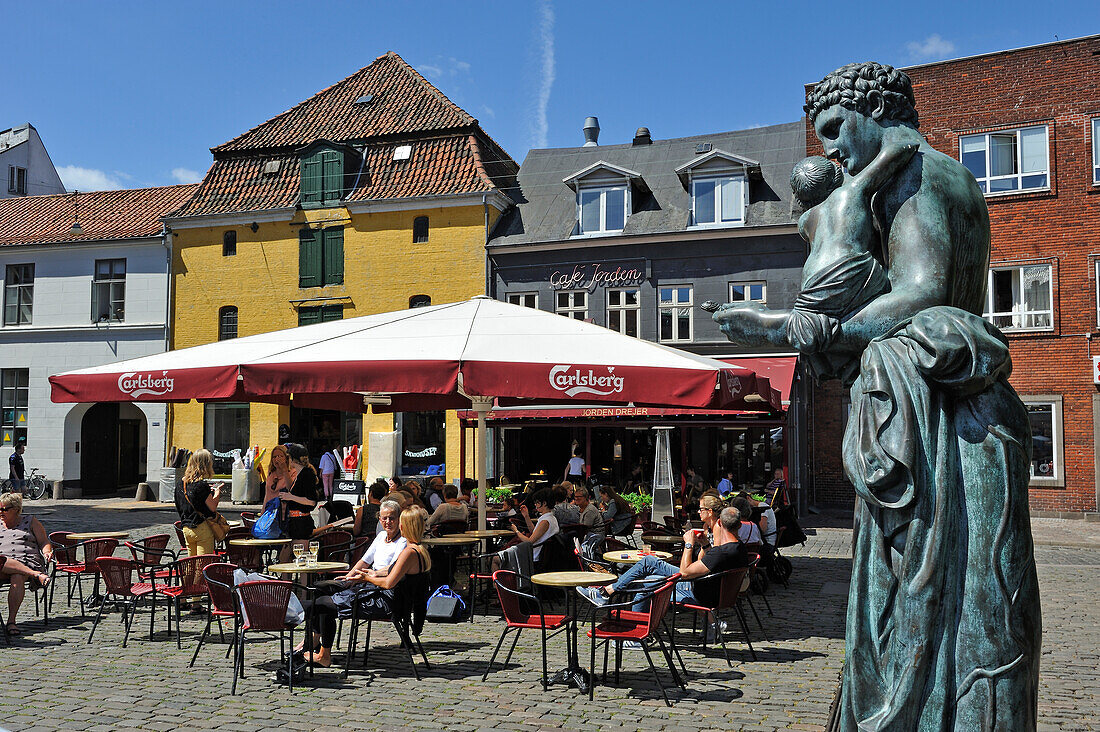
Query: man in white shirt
[385, 548]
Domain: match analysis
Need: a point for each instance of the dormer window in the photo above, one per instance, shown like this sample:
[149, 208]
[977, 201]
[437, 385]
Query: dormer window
[325, 168]
[605, 194]
[718, 182]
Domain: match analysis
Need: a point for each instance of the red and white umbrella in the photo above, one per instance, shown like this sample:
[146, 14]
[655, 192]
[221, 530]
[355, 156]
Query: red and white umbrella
[460, 355]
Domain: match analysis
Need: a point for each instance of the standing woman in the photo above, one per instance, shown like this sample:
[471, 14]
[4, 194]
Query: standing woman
[278, 474]
[196, 501]
[303, 495]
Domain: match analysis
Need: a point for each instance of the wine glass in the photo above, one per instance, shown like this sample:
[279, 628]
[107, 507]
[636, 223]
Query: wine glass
[299, 551]
[314, 548]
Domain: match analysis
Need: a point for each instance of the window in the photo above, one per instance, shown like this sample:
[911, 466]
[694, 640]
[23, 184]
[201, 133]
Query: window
[674, 309]
[623, 305]
[423, 441]
[1019, 298]
[1096, 150]
[17, 180]
[718, 201]
[420, 229]
[320, 314]
[320, 257]
[420, 301]
[526, 299]
[602, 209]
[1008, 160]
[225, 428]
[322, 178]
[229, 244]
[572, 304]
[13, 405]
[748, 291]
[18, 294]
[1044, 412]
[227, 323]
[109, 290]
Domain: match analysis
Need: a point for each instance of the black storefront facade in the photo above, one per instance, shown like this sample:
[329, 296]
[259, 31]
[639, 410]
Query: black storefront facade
[648, 279]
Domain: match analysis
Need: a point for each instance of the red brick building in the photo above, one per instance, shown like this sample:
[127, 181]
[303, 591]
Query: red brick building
[1026, 122]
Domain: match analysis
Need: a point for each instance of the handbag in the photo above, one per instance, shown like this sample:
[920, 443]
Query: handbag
[374, 602]
[219, 527]
[268, 525]
[445, 606]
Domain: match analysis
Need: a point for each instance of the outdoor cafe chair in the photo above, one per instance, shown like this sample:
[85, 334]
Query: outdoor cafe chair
[334, 546]
[732, 582]
[644, 627]
[150, 555]
[92, 550]
[119, 587]
[517, 606]
[65, 560]
[223, 604]
[190, 584]
[179, 536]
[244, 556]
[263, 605]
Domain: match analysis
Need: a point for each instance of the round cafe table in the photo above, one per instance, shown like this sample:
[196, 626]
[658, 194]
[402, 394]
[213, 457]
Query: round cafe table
[488, 534]
[315, 568]
[450, 544]
[86, 536]
[632, 556]
[573, 673]
[662, 539]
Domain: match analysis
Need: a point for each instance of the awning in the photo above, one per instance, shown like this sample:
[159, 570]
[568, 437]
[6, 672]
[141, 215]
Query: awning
[778, 369]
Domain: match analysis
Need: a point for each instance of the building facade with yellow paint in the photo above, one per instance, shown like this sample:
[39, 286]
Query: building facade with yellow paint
[374, 195]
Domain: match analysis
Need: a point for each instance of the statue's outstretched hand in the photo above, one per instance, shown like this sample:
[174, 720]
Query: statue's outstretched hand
[751, 323]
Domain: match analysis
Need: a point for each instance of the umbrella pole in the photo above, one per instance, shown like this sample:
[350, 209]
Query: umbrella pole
[482, 408]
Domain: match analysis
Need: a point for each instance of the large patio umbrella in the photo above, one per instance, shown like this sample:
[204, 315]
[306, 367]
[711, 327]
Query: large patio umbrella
[460, 355]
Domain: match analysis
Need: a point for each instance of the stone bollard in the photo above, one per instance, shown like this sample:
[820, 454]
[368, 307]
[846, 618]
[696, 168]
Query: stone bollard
[58, 490]
[143, 493]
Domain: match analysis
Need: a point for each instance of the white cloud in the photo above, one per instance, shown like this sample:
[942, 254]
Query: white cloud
[545, 32]
[186, 175]
[932, 48]
[458, 66]
[489, 112]
[433, 71]
[76, 178]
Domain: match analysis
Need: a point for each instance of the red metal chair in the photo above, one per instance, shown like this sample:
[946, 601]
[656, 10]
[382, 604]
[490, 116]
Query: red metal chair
[92, 549]
[334, 546]
[65, 560]
[246, 557]
[149, 555]
[732, 583]
[223, 604]
[118, 582]
[263, 607]
[180, 537]
[511, 603]
[624, 624]
[191, 585]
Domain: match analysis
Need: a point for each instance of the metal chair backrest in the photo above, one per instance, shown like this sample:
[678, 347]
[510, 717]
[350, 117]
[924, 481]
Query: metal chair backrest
[96, 548]
[64, 548]
[245, 556]
[659, 602]
[219, 584]
[179, 535]
[238, 532]
[672, 523]
[732, 583]
[754, 559]
[334, 545]
[263, 604]
[446, 528]
[248, 519]
[118, 574]
[152, 551]
[509, 594]
[191, 577]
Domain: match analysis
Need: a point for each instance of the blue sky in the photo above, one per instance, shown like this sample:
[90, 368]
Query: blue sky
[131, 94]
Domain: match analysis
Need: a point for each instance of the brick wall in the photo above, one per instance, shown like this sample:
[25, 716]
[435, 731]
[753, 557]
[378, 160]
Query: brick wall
[1057, 85]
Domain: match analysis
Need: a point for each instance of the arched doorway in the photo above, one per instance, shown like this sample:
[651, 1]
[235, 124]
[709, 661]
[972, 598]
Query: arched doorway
[112, 448]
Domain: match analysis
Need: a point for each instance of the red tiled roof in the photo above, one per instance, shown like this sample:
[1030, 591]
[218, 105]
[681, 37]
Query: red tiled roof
[403, 102]
[123, 214]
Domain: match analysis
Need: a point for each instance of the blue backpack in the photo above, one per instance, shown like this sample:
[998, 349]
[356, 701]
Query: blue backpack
[268, 525]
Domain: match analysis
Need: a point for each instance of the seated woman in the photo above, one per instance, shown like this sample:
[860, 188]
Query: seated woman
[617, 511]
[412, 560]
[451, 509]
[24, 543]
[541, 530]
[366, 517]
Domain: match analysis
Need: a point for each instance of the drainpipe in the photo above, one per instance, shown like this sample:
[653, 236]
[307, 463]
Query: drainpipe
[167, 240]
[488, 272]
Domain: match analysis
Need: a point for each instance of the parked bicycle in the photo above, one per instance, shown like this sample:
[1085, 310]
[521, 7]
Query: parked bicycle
[34, 489]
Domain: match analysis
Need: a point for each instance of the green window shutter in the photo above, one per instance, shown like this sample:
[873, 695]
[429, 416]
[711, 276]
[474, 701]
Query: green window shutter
[309, 316]
[309, 258]
[333, 176]
[334, 257]
[311, 180]
[332, 312]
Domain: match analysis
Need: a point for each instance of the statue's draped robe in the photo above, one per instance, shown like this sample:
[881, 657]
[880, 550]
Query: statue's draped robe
[943, 612]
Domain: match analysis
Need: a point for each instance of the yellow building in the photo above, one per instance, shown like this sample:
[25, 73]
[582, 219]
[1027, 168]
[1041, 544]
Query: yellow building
[375, 194]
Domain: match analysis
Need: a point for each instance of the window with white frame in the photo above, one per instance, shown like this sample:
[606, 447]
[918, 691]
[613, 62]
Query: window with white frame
[718, 201]
[1044, 413]
[1008, 160]
[748, 291]
[14, 392]
[602, 209]
[109, 290]
[572, 304]
[674, 324]
[18, 294]
[1096, 150]
[623, 308]
[1020, 298]
[525, 299]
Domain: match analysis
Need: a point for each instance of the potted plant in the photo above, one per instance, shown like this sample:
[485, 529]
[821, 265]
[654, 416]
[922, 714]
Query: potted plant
[641, 502]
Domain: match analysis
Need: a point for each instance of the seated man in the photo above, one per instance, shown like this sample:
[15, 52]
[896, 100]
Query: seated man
[725, 486]
[589, 515]
[726, 552]
[451, 509]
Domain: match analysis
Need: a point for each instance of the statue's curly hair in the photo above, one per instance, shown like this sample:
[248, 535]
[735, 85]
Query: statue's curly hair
[813, 179]
[848, 87]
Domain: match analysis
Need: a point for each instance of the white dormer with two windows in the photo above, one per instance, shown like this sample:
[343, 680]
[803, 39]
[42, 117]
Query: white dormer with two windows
[605, 197]
[718, 183]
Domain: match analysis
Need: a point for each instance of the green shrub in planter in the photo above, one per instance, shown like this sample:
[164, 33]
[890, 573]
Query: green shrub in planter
[641, 502]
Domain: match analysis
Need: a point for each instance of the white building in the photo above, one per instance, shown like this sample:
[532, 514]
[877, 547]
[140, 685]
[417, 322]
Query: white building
[78, 298]
[25, 164]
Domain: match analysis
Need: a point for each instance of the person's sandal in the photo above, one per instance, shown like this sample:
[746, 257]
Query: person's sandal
[13, 629]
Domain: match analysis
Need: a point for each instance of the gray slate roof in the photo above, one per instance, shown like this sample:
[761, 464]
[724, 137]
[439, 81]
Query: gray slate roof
[547, 209]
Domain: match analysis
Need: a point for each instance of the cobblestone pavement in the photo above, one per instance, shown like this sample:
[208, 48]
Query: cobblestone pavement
[54, 680]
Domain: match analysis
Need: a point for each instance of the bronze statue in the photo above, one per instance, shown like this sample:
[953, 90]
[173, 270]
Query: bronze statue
[943, 625]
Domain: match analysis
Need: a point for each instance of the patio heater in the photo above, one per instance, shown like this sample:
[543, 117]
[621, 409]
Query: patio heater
[662, 477]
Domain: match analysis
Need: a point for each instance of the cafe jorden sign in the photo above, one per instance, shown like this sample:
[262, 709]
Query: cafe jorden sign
[598, 274]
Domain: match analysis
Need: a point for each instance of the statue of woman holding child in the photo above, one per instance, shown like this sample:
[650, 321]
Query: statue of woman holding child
[943, 625]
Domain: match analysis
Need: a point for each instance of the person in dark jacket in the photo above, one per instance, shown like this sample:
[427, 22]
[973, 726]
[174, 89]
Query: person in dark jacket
[302, 498]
